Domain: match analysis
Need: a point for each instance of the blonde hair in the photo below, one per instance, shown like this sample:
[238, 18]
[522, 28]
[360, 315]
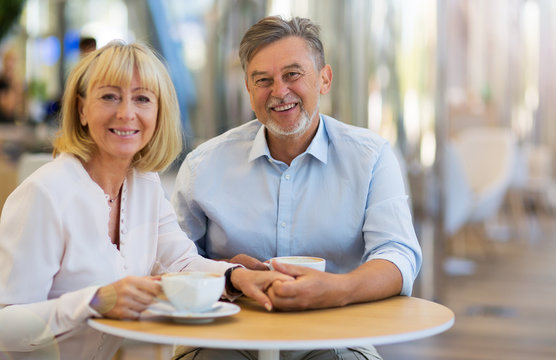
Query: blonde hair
[115, 64]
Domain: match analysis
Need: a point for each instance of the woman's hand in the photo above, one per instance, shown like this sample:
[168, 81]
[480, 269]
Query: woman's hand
[126, 298]
[255, 283]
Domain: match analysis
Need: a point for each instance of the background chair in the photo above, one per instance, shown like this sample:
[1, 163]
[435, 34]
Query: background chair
[479, 168]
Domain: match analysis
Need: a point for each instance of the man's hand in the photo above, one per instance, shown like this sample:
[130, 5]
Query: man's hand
[126, 298]
[313, 289]
[255, 283]
[249, 262]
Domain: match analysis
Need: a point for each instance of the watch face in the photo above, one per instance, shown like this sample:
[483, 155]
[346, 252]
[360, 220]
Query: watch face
[230, 288]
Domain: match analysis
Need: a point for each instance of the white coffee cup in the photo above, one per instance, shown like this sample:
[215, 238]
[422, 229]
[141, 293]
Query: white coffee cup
[307, 261]
[193, 291]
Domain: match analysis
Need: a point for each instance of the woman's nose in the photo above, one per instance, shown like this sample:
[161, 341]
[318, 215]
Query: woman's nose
[125, 109]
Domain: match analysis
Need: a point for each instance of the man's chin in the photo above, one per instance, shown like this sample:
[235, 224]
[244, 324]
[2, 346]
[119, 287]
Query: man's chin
[285, 132]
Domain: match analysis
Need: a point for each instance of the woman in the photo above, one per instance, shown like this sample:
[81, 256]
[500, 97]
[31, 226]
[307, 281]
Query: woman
[85, 235]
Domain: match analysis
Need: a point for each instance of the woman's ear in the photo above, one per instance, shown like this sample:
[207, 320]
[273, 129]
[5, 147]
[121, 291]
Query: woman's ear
[81, 110]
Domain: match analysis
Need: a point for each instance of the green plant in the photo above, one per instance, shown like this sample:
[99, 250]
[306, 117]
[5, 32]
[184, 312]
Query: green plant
[9, 14]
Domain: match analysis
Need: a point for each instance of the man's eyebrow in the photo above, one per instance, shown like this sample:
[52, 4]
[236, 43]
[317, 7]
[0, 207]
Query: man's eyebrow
[295, 66]
[257, 73]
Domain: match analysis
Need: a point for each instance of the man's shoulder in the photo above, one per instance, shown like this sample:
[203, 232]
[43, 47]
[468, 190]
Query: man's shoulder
[237, 139]
[352, 136]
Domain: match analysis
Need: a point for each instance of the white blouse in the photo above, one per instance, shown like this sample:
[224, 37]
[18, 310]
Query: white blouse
[55, 253]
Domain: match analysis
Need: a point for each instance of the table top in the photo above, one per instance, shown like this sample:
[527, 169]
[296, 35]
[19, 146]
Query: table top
[392, 320]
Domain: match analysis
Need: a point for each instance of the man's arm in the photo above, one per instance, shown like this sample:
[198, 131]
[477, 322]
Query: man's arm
[248, 261]
[312, 289]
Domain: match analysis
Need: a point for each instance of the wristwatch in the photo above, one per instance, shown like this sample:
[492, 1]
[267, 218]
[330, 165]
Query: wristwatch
[230, 288]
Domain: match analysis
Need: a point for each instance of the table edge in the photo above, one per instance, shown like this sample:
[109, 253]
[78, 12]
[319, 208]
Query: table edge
[271, 344]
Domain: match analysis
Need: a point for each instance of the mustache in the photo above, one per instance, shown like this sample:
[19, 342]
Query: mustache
[274, 101]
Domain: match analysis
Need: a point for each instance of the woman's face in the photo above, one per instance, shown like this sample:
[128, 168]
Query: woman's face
[121, 121]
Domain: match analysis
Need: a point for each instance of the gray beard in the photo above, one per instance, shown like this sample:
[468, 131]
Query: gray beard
[302, 125]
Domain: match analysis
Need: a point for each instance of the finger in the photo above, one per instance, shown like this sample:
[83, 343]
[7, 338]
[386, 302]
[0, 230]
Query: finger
[130, 314]
[283, 291]
[280, 302]
[292, 270]
[259, 297]
[149, 285]
[278, 276]
[259, 266]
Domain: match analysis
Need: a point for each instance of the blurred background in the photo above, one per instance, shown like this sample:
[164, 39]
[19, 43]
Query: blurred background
[464, 90]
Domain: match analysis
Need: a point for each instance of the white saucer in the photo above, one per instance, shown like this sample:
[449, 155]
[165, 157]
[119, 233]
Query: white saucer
[219, 309]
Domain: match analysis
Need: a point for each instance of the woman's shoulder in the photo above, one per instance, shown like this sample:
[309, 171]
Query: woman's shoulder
[54, 181]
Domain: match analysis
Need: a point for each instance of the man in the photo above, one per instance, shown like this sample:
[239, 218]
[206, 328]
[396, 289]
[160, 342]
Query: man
[295, 182]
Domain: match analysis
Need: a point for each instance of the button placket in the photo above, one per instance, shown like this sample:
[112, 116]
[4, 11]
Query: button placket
[283, 231]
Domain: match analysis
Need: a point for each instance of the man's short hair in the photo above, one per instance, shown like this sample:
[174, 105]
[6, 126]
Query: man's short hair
[274, 28]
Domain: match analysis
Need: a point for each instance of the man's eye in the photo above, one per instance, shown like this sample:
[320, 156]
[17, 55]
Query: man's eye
[262, 82]
[292, 75]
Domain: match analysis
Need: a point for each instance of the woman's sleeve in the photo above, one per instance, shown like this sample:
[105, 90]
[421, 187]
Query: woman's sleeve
[28, 327]
[176, 251]
[31, 250]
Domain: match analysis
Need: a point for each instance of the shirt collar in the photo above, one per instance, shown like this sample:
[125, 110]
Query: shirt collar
[318, 147]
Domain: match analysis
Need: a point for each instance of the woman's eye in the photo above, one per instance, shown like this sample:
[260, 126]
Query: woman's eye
[109, 97]
[143, 99]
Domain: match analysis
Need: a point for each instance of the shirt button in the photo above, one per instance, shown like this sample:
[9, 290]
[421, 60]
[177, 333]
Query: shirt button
[283, 224]
[287, 177]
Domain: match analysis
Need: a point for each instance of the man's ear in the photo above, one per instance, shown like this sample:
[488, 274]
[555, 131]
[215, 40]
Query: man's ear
[250, 95]
[81, 110]
[325, 79]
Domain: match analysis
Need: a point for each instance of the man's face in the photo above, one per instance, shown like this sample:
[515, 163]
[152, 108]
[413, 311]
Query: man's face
[284, 87]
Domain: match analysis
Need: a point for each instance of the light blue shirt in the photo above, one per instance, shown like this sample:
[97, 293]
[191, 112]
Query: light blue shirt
[343, 199]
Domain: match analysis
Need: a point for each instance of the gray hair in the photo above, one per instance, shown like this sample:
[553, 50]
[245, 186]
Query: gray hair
[274, 28]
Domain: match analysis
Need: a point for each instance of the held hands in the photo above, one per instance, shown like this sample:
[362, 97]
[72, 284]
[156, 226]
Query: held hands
[256, 283]
[312, 289]
[126, 298]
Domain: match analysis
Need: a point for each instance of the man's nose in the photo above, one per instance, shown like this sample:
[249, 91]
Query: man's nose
[279, 88]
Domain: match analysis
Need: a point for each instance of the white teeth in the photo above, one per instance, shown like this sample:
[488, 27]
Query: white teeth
[284, 107]
[124, 133]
